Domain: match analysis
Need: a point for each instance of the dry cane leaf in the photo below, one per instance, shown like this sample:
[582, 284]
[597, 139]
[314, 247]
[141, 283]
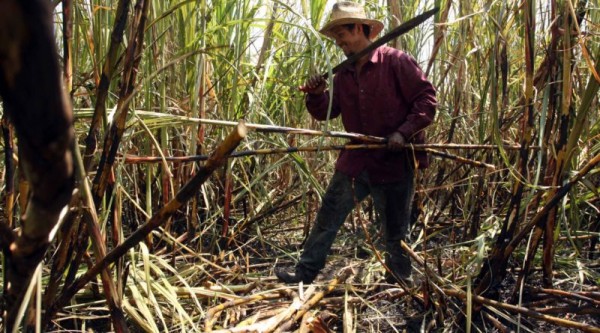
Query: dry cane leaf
[348, 320]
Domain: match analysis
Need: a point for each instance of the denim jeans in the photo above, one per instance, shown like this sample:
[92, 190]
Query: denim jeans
[392, 203]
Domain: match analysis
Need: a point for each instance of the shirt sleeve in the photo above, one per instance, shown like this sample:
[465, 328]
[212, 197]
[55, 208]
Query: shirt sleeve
[318, 105]
[418, 92]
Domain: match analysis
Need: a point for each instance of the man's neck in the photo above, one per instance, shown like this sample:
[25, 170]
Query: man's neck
[363, 60]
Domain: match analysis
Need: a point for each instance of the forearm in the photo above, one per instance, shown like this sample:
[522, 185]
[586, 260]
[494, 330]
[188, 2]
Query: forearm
[318, 106]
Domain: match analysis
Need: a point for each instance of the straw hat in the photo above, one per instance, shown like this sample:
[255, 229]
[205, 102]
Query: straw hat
[346, 12]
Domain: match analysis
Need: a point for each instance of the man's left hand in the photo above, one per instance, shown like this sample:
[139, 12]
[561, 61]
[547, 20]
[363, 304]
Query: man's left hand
[396, 141]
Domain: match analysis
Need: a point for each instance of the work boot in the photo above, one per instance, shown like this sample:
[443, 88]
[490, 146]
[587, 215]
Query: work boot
[294, 275]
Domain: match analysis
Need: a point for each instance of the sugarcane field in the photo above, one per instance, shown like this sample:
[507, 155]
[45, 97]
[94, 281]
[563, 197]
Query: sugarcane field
[300, 166]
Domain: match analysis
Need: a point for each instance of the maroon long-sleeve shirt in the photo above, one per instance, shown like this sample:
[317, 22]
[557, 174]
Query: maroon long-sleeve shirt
[390, 94]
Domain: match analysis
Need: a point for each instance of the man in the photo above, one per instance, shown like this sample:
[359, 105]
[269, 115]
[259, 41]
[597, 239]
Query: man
[383, 94]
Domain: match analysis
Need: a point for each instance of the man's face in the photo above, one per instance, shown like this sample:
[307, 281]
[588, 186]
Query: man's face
[350, 41]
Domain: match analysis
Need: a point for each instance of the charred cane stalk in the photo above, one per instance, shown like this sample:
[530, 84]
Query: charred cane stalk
[216, 160]
[524, 311]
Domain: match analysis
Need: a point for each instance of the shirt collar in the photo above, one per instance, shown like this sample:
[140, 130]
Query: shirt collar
[374, 56]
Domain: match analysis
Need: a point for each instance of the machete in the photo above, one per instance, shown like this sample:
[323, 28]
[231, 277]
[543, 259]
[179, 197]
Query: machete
[396, 32]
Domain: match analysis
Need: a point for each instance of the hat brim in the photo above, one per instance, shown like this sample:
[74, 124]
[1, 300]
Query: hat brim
[376, 26]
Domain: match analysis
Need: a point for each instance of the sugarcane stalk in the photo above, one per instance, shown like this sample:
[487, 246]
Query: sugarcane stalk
[563, 310]
[495, 270]
[341, 277]
[525, 311]
[9, 174]
[33, 99]
[212, 313]
[113, 300]
[130, 159]
[108, 70]
[460, 159]
[455, 292]
[524, 230]
[271, 128]
[335, 134]
[112, 138]
[67, 28]
[217, 159]
[561, 294]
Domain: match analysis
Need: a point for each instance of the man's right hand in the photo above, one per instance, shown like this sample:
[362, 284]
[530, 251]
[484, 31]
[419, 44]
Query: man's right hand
[315, 85]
